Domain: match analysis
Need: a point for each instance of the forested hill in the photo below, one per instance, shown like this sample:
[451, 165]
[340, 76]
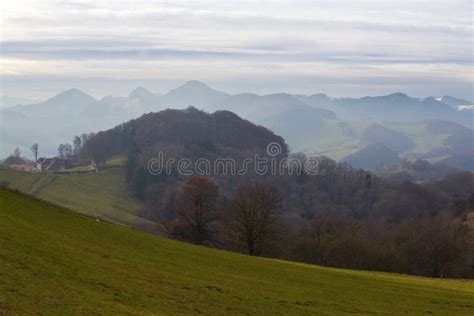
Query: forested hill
[188, 134]
[191, 131]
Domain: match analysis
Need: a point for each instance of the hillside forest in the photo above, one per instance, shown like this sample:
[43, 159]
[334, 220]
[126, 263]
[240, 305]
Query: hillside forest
[339, 217]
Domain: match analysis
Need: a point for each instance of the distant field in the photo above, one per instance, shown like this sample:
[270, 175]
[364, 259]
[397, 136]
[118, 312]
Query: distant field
[116, 161]
[423, 139]
[101, 194]
[78, 169]
[337, 145]
[57, 262]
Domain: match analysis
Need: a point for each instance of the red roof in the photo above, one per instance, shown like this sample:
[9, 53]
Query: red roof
[25, 167]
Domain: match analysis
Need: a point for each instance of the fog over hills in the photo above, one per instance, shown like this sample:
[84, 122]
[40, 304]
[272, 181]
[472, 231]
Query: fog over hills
[8, 101]
[316, 124]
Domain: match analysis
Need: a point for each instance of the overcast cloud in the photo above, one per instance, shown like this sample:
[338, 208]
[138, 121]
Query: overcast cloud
[336, 46]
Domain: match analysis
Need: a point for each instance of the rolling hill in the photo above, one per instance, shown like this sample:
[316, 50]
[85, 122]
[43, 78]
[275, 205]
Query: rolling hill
[101, 194]
[372, 156]
[57, 262]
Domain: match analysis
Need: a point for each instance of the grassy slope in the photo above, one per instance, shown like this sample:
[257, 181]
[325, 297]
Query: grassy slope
[55, 261]
[100, 194]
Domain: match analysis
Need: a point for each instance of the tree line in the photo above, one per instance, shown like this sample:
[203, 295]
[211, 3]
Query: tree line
[254, 222]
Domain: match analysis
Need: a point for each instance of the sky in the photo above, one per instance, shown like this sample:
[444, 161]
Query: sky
[337, 47]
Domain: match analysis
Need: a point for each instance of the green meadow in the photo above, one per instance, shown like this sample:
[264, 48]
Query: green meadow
[102, 194]
[54, 261]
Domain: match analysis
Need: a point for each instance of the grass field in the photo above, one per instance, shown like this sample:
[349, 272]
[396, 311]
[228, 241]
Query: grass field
[57, 262]
[101, 194]
[78, 169]
[117, 161]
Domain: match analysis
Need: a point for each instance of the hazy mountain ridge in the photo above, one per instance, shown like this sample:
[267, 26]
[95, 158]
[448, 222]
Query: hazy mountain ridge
[72, 101]
[8, 101]
[315, 124]
[454, 102]
[397, 107]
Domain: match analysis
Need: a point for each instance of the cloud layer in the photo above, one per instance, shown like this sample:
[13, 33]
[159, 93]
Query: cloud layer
[340, 47]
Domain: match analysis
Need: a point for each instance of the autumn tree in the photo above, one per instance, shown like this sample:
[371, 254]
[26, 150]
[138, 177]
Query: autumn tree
[253, 213]
[196, 205]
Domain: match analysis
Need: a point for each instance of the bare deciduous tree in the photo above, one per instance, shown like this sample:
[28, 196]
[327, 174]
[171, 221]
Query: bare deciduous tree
[196, 206]
[436, 246]
[253, 213]
[67, 150]
[61, 152]
[64, 151]
[77, 142]
[35, 149]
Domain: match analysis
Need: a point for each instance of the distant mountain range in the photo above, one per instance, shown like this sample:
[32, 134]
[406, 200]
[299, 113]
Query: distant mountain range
[7, 101]
[396, 107]
[430, 128]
